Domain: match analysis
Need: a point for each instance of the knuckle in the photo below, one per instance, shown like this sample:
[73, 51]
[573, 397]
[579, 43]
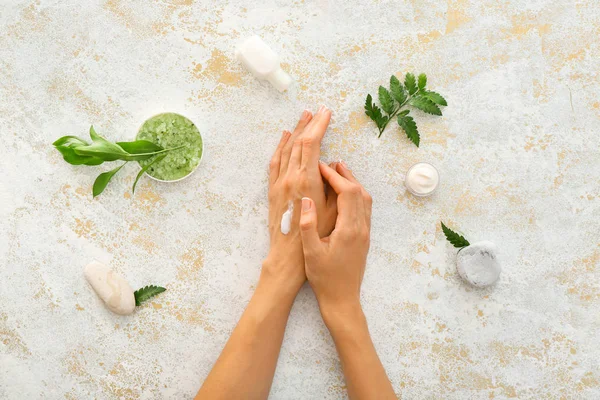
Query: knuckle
[368, 199]
[354, 189]
[273, 164]
[306, 224]
[308, 141]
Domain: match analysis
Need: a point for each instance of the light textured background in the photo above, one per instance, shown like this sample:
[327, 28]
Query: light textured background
[518, 150]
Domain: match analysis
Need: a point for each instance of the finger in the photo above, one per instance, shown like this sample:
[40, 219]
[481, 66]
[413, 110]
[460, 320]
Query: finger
[311, 151]
[305, 119]
[318, 126]
[343, 170]
[311, 242]
[335, 180]
[286, 151]
[276, 159]
[330, 194]
[296, 155]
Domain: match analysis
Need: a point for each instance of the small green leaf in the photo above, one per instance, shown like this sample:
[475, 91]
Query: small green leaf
[407, 123]
[386, 101]
[425, 105]
[454, 238]
[375, 114]
[398, 92]
[410, 83]
[103, 179]
[146, 293]
[139, 175]
[435, 97]
[422, 81]
[404, 113]
[139, 147]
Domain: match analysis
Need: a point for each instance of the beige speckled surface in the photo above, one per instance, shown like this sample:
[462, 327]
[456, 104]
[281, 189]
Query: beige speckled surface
[517, 148]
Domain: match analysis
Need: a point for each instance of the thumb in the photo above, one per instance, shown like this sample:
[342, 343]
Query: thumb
[308, 226]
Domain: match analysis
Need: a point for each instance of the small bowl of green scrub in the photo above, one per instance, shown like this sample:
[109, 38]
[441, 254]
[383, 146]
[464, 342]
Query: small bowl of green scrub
[171, 130]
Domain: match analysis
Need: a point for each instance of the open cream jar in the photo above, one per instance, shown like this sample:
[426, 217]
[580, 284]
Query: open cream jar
[422, 179]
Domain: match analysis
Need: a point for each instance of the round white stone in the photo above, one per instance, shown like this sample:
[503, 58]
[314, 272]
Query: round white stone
[111, 287]
[478, 264]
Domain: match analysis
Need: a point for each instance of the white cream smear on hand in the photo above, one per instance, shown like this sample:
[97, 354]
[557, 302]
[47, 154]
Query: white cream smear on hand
[286, 219]
[422, 179]
[111, 287]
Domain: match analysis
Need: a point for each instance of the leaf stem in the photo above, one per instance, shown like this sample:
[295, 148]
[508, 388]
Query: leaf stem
[160, 151]
[393, 114]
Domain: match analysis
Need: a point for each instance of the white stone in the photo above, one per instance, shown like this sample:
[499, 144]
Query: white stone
[478, 264]
[111, 287]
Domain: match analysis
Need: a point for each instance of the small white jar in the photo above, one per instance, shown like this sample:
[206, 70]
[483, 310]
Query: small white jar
[422, 179]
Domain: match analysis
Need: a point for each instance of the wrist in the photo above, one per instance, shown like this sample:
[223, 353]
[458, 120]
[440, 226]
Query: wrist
[280, 277]
[342, 316]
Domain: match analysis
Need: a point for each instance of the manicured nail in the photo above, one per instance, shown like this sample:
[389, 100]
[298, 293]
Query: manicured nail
[306, 204]
[344, 164]
[321, 162]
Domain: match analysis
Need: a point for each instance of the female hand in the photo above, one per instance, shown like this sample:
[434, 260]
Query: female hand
[335, 265]
[293, 173]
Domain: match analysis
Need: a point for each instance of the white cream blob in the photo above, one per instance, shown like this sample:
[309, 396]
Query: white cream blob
[478, 264]
[422, 179]
[111, 287]
[286, 219]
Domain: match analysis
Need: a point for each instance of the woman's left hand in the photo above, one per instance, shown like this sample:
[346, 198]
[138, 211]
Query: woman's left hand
[294, 173]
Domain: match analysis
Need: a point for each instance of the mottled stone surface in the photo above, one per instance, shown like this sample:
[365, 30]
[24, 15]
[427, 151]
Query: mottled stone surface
[517, 149]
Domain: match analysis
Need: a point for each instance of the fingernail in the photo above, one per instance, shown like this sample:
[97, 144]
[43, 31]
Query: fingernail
[321, 162]
[343, 164]
[306, 204]
[305, 114]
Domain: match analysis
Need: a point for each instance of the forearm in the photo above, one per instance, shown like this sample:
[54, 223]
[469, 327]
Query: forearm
[365, 375]
[247, 364]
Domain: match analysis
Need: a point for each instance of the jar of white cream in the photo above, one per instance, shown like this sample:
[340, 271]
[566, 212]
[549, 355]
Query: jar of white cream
[422, 179]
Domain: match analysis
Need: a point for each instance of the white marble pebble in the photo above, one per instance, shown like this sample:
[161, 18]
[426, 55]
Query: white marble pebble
[111, 287]
[478, 264]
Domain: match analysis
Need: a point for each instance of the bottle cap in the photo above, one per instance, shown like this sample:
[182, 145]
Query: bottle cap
[280, 79]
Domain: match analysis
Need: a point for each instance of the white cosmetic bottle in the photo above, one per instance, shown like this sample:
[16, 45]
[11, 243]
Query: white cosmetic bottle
[259, 59]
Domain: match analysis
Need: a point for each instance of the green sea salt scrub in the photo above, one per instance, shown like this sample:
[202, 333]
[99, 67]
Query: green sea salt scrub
[171, 130]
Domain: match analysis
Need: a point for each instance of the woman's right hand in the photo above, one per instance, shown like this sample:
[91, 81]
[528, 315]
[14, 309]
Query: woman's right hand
[335, 265]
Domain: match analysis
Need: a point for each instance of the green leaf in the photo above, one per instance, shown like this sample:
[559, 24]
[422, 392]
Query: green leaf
[425, 105]
[435, 97]
[422, 81]
[102, 148]
[70, 141]
[398, 92]
[386, 101]
[410, 83]
[407, 123]
[139, 175]
[146, 293]
[404, 112]
[139, 147]
[375, 114]
[103, 179]
[454, 238]
[66, 145]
